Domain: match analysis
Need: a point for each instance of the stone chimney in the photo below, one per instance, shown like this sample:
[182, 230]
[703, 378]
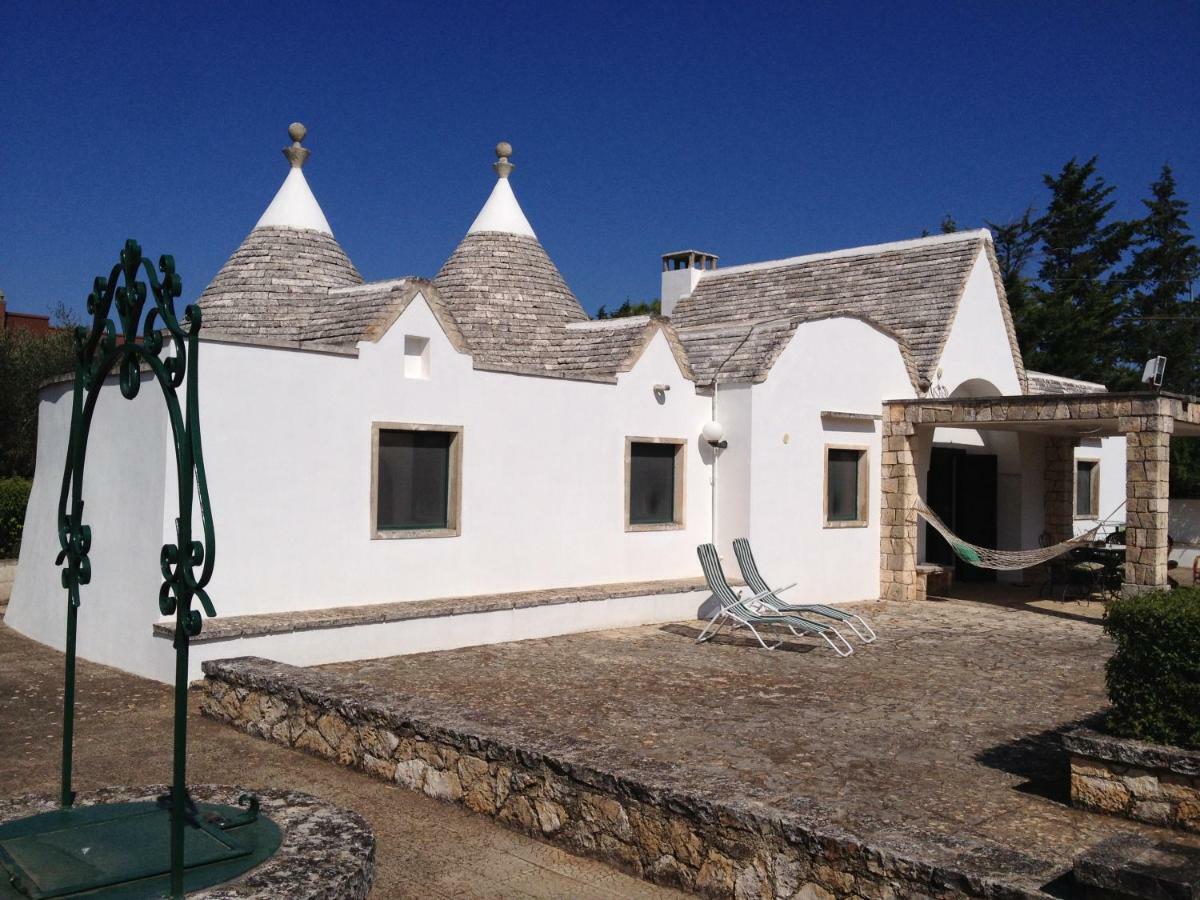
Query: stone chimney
[680, 273]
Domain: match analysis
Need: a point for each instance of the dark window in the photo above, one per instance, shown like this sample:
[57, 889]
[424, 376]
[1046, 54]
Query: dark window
[652, 483]
[414, 479]
[1085, 488]
[842, 478]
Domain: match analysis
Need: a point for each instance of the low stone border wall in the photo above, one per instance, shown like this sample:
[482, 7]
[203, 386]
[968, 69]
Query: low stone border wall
[651, 830]
[8, 575]
[224, 628]
[1146, 782]
[327, 851]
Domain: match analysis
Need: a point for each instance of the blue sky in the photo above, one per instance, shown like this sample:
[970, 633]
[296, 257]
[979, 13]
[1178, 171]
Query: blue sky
[749, 130]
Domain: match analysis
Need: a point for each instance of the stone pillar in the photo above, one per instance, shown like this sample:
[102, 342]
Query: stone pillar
[898, 515]
[1059, 490]
[1147, 489]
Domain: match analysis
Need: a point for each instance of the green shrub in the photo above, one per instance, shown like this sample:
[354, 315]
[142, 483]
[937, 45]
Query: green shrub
[14, 497]
[1154, 675]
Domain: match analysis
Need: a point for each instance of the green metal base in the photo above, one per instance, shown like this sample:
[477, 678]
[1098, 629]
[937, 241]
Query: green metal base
[123, 850]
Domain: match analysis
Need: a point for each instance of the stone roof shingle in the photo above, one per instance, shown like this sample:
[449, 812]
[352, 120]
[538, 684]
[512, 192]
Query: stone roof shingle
[1045, 383]
[508, 300]
[909, 291]
[271, 285]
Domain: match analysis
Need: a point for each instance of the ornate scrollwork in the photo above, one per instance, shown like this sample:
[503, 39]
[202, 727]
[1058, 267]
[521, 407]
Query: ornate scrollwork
[163, 345]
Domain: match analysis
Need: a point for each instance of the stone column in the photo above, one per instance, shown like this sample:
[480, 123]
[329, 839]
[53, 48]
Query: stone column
[1147, 489]
[898, 515]
[1059, 489]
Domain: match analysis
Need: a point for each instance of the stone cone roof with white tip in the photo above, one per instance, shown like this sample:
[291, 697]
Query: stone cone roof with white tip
[508, 298]
[499, 297]
[283, 271]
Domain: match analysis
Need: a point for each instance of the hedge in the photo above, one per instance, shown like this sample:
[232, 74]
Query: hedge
[1154, 675]
[14, 497]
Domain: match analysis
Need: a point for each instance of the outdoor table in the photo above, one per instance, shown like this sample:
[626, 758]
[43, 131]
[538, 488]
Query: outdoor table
[1111, 558]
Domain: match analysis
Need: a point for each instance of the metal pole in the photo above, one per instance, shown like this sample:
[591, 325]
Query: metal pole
[179, 784]
[68, 737]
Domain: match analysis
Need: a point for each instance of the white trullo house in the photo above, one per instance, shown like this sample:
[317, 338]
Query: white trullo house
[475, 442]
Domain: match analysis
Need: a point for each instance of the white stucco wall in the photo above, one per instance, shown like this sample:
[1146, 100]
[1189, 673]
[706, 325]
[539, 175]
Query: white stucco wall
[123, 489]
[542, 484]
[287, 440]
[839, 365]
[1110, 454]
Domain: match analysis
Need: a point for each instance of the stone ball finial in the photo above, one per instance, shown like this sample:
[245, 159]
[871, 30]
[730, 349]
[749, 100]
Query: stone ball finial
[294, 153]
[502, 166]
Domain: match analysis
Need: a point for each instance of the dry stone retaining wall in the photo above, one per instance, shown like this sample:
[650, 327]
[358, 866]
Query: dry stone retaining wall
[1145, 782]
[660, 834]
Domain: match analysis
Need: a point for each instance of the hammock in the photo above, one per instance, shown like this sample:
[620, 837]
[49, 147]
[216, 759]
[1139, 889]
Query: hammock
[1005, 560]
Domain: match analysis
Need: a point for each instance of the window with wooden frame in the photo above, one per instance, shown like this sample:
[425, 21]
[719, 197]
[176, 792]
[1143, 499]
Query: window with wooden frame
[654, 483]
[847, 480]
[1087, 488]
[416, 480]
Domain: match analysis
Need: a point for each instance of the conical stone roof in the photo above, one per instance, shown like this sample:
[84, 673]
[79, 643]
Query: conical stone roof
[284, 268]
[507, 297]
[273, 282]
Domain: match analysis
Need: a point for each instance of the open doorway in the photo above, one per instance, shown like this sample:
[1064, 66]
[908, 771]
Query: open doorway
[962, 490]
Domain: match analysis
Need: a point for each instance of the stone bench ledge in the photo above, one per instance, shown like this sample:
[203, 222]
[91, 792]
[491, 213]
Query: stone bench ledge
[261, 624]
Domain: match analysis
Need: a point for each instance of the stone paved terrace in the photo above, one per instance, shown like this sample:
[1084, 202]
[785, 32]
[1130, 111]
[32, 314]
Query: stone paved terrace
[940, 741]
[425, 850]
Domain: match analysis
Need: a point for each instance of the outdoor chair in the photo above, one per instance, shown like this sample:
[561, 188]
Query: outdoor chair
[1057, 575]
[752, 611]
[753, 578]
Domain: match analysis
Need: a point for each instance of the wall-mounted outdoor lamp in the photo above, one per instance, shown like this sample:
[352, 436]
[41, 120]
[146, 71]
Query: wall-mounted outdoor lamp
[714, 432]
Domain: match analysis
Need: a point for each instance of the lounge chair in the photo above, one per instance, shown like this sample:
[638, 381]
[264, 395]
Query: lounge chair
[751, 611]
[745, 558]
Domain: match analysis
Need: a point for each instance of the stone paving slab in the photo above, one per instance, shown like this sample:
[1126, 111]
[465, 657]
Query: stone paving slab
[228, 627]
[943, 737]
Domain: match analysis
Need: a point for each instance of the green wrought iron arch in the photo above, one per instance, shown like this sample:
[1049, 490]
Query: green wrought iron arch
[165, 346]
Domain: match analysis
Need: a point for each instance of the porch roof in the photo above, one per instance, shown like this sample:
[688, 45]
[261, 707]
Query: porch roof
[1078, 415]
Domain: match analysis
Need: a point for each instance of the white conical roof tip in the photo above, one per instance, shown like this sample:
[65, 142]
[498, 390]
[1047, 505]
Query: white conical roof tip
[294, 205]
[502, 212]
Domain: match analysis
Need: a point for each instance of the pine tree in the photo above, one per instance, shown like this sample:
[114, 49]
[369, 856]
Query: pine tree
[1014, 243]
[1074, 306]
[1157, 312]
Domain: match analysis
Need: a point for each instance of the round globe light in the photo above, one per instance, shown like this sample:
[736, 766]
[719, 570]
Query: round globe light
[713, 432]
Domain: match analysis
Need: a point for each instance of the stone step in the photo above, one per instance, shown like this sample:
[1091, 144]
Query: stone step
[1131, 865]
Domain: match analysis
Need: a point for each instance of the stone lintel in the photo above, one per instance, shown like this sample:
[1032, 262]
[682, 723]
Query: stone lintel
[1039, 409]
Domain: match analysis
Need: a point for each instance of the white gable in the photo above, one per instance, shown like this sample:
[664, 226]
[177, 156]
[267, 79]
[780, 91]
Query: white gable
[978, 347]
